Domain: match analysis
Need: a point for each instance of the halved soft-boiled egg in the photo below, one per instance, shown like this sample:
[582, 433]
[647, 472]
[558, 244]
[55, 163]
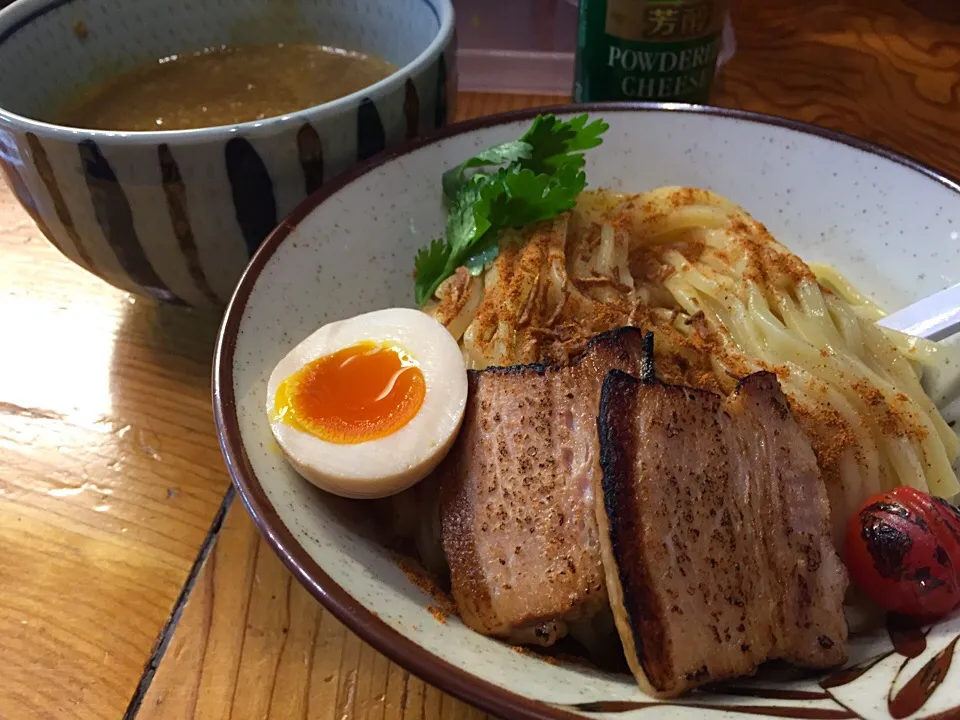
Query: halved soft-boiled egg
[368, 406]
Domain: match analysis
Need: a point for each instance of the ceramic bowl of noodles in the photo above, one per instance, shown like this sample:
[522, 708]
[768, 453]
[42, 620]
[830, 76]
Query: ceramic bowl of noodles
[669, 404]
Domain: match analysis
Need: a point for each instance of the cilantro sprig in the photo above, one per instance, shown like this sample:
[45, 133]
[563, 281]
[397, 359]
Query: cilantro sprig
[505, 186]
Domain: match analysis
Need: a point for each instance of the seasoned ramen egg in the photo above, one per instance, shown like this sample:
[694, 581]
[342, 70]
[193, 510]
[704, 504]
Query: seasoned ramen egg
[368, 406]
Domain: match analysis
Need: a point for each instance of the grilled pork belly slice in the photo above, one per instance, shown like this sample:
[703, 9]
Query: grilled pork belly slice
[715, 530]
[518, 525]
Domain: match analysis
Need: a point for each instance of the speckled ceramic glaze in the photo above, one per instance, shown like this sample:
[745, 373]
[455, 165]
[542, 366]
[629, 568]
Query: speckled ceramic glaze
[176, 215]
[888, 223]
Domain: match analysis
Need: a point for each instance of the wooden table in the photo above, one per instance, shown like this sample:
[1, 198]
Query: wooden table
[132, 581]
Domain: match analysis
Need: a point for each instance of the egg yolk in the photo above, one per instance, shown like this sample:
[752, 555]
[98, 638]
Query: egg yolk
[363, 392]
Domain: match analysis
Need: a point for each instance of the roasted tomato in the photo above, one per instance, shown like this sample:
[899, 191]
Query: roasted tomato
[903, 550]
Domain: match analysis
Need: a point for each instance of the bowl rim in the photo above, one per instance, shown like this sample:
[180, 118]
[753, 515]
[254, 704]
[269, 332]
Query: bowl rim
[365, 623]
[21, 13]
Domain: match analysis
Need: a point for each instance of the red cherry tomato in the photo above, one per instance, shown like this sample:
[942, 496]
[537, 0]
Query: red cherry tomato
[903, 550]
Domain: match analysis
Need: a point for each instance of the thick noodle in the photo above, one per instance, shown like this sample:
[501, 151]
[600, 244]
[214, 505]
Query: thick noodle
[724, 299]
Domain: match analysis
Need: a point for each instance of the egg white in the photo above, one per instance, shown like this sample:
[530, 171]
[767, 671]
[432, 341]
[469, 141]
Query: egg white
[391, 464]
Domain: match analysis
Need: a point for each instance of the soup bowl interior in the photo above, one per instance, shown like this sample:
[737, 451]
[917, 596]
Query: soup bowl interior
[49, 49]
[350, 249]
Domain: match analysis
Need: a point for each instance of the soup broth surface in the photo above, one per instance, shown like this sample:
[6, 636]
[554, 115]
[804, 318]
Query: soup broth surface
[222, 86]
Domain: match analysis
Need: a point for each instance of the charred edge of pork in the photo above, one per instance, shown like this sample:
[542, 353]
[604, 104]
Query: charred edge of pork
[609, 337]
[648, 371]
[617, 459]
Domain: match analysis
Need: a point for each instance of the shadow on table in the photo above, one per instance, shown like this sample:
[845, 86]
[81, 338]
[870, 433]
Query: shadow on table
[160, 395]
[175, 343]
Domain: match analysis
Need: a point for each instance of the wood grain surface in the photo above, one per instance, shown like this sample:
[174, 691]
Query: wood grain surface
[885, 70]
[252, 643]
[110, 475]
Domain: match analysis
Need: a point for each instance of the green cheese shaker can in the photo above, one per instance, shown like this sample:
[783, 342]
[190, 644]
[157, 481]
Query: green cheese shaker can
[652, 50]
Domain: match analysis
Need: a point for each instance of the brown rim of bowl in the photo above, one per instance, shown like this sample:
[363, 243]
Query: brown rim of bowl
[365, 623]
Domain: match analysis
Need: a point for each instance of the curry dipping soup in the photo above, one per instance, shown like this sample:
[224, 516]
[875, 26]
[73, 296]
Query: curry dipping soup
[221, 86]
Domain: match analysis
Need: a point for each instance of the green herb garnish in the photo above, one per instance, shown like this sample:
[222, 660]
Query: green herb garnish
[510, 185]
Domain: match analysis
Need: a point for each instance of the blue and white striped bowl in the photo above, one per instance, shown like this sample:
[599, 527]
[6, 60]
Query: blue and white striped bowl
[177, 214]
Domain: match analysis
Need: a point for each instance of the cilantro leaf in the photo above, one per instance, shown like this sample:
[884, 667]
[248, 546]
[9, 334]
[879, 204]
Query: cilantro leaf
[556, 143]
[542, 178]
[529, 197]
[428, 265]
[455, 178]
[483, 254]
[463, 222]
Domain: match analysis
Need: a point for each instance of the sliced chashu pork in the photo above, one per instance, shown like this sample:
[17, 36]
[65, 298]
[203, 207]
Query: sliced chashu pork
[518, 523]
[715, 531]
